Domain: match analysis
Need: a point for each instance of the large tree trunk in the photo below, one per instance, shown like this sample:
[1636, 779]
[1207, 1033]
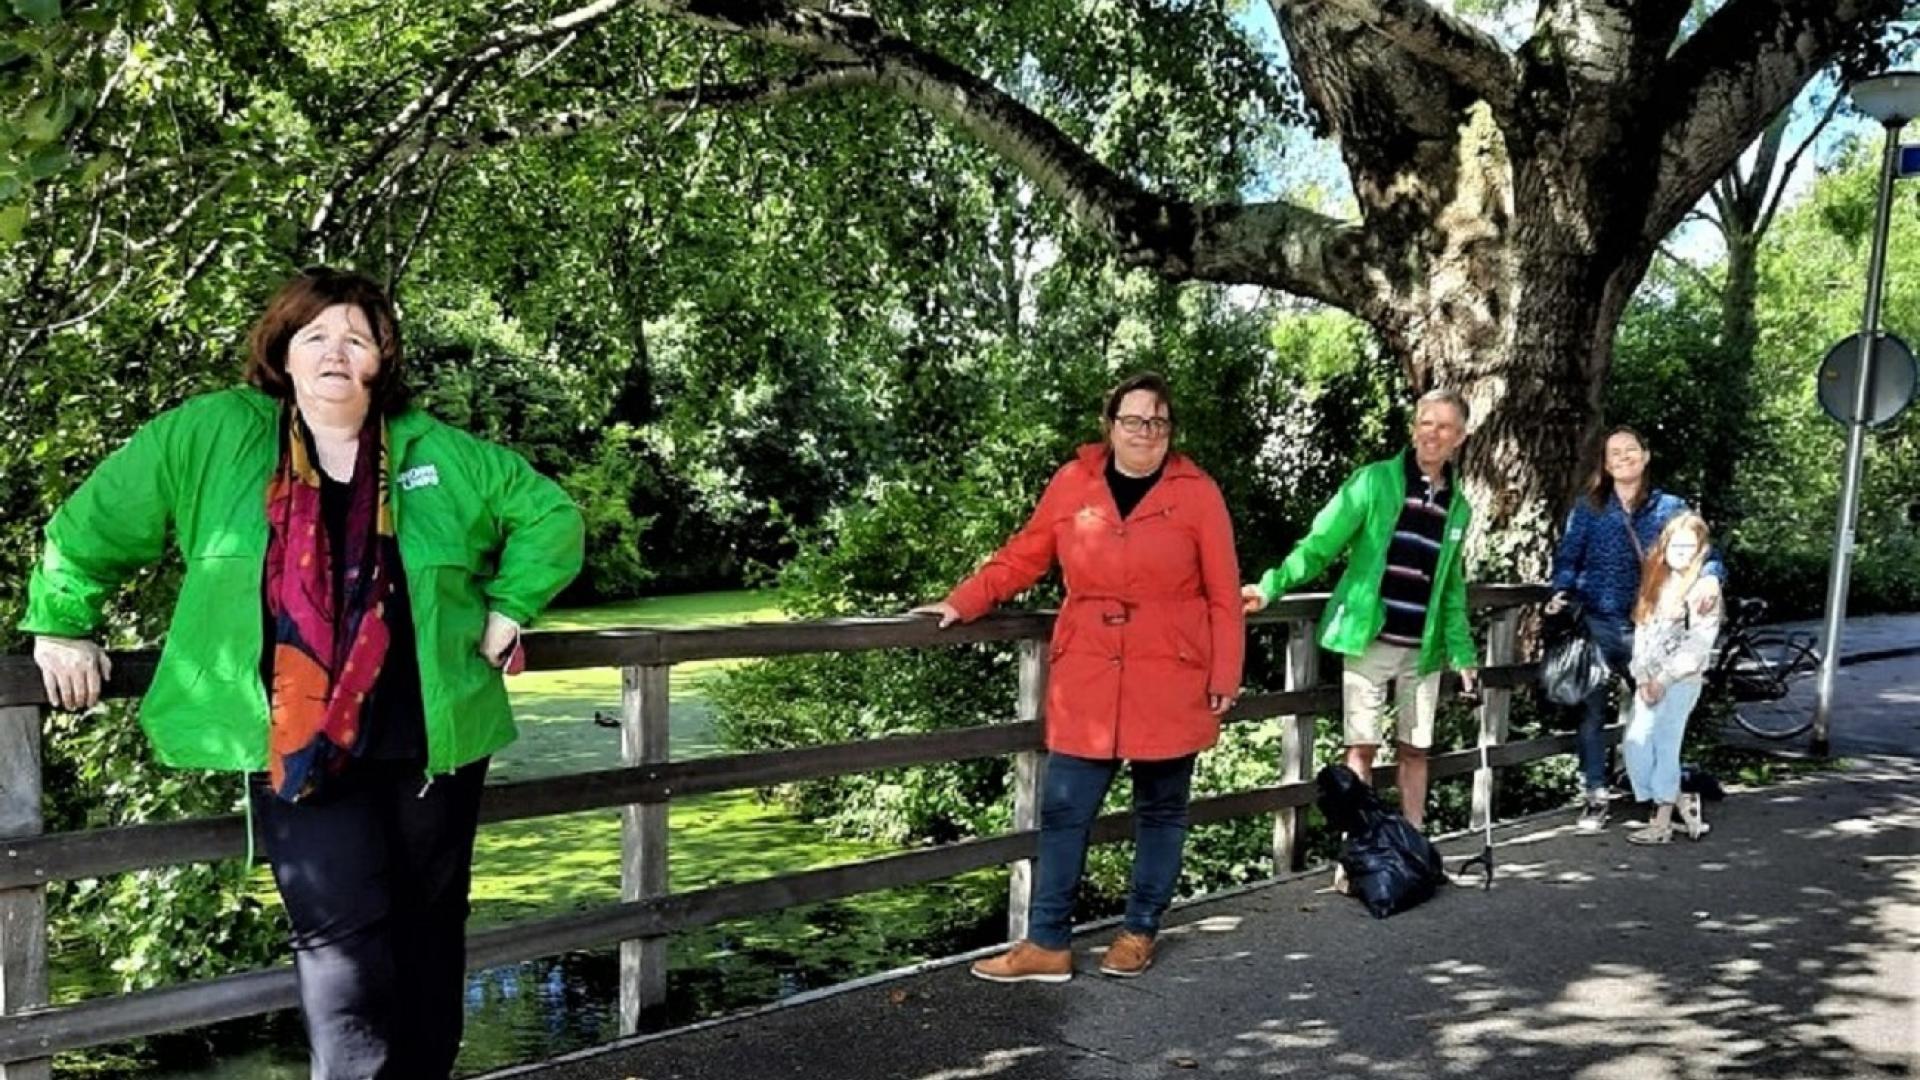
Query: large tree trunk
[1523, 329]
[1532, 409]
[1517, 257]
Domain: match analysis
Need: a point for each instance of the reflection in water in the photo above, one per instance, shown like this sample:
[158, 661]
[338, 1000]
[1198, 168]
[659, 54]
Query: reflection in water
[545, 1007]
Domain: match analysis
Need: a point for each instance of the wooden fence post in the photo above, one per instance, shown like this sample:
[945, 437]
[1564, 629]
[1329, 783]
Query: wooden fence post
[643, 840]
[23, 912]
[1027, 767]
[1296, 743]
[1495, 706]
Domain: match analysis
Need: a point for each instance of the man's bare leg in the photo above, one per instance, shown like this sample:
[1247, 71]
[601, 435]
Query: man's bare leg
[1413, 784]
[1360, 760]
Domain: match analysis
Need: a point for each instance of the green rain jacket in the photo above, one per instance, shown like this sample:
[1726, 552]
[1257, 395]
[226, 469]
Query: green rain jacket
[478, 529]
[1359, 521]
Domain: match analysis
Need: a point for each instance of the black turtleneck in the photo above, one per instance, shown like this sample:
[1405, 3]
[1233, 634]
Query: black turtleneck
[1129, 490]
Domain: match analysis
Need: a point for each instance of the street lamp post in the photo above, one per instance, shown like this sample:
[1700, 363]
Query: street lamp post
[1893, 99]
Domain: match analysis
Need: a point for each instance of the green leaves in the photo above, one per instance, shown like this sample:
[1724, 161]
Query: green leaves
[40, 12]
[47, 161]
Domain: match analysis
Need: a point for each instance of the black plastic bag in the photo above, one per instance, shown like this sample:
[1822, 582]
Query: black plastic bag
[1390, 865]
[1571, 665]
[1698, 781]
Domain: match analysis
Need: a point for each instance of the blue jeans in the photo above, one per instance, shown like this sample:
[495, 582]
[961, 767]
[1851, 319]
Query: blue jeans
[1614, 636]
[1652, 742]
[1070, 798]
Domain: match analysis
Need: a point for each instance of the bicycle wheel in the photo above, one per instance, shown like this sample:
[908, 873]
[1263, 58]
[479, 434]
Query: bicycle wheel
[1760, 670]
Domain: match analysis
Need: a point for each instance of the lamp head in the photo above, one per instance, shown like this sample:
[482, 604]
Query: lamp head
[1893, 98]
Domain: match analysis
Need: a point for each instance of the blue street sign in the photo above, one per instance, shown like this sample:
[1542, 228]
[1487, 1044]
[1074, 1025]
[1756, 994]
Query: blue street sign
[1910, 160]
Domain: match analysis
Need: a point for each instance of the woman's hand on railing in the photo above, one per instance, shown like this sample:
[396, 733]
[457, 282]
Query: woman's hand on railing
[74, 670]
[1219, 704]
[1252, 599]
[1557, 604]
[947, 612]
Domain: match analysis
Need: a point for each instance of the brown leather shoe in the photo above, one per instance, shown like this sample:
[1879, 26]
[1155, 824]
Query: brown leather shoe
[1027, 962]
[1129, 955]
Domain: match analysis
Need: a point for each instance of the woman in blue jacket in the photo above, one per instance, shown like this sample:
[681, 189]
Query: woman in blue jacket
[1610, 530]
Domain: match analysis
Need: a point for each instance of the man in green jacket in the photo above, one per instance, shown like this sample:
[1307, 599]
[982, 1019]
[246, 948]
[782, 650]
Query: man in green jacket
[1399, 613]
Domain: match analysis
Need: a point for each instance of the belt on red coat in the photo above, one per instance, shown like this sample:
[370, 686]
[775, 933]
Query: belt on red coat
[1118, 610]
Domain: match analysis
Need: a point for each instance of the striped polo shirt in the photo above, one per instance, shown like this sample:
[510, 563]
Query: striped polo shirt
[1407, 587]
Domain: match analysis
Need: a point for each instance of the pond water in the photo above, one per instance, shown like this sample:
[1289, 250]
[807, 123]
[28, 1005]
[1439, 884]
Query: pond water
[539, 1009]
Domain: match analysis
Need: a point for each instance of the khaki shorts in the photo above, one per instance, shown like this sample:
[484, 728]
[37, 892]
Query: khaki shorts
[1363, 696]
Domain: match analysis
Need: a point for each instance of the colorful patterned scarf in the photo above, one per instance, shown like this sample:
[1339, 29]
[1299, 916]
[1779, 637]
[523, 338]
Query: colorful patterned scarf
[326, 655]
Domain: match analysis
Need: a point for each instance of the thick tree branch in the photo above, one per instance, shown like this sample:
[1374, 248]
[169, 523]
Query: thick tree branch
[1726, 209]
[1472, 57]
[1721, 87]
[1400, 121]
[837, 36]
[1301, 251]
[1754, 182]
[1606, 43]
[819, 79]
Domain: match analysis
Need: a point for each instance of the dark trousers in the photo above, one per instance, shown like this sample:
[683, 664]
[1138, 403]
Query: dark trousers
[1071, 793]
[1614, 636]
[375, 873]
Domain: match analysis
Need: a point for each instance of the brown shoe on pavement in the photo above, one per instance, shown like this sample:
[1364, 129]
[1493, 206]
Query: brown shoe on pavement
[1130, 954]
[1026, 962]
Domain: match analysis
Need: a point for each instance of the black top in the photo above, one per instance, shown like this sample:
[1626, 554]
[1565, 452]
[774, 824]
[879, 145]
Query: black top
[1129, 490]
[393, 717]
[1414, 555]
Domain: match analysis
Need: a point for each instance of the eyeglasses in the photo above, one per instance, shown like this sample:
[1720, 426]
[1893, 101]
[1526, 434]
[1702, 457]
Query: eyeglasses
[1157, 426]
[1624, 454]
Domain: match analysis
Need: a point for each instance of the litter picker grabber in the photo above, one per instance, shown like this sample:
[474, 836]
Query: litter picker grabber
[1484, 860]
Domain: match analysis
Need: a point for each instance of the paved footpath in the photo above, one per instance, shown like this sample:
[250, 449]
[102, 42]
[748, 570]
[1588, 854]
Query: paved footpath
[1876, 702]
[1785, 944]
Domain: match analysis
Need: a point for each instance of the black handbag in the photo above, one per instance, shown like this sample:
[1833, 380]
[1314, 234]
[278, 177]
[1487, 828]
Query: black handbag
[1571, 665]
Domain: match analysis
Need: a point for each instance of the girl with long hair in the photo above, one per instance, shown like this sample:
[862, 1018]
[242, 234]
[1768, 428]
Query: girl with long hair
[1676, 618]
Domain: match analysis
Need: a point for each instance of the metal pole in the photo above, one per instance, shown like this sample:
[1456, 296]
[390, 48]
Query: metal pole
[1856, 446]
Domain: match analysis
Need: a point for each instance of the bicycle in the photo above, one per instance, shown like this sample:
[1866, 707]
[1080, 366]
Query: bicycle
[1753, 665]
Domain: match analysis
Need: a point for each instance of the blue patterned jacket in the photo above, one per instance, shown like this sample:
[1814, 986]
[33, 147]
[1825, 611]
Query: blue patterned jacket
[1596, 561]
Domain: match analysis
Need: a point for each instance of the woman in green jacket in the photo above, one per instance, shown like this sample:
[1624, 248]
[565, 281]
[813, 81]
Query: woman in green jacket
[357, 575]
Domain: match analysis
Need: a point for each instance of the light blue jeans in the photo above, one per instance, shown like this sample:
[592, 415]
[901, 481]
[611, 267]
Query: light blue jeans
[1651, 745]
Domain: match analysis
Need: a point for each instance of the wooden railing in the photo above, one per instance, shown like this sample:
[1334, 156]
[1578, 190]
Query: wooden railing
[643, 788]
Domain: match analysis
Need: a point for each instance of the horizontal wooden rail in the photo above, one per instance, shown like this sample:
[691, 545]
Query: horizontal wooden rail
[561, 650]
[98, 852]
[231, 997]
[39, 860]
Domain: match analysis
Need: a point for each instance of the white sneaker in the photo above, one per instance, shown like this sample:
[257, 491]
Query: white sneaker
[1593, 817]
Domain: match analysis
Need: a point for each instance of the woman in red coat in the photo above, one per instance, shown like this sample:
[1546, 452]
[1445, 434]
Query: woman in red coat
[1145, 659]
